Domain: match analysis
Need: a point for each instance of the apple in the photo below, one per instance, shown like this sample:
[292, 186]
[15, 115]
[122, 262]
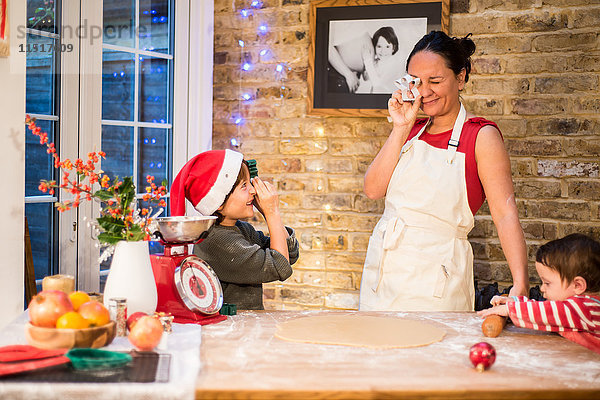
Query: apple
[47, 306]
[145, 334]
[132, 319]
[95, 313]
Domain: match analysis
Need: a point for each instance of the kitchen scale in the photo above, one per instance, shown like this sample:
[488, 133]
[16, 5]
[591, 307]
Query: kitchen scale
[187, 286]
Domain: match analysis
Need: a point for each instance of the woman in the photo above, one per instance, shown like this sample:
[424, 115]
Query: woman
[435, 174]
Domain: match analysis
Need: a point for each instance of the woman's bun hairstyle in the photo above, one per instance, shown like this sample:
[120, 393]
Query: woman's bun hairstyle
[456, 51]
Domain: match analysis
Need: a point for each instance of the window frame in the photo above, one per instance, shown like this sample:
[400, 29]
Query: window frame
[192, 130]
[55, 118]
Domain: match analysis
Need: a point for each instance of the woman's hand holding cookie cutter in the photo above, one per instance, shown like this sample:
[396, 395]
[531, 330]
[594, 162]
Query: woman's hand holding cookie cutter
[404, 84]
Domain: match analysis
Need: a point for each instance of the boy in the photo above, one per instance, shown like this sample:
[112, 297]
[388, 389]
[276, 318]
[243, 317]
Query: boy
[217, 182]
[570, 272]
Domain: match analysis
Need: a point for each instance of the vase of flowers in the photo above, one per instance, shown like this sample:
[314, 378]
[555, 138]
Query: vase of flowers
[123, 226]
[131, 277]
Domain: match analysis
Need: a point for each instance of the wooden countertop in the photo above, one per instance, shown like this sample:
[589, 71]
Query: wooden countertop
[242, 359]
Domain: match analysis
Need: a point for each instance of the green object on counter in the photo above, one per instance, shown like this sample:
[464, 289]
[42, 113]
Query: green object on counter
[228, 309]
[85, 358]
[252, 168]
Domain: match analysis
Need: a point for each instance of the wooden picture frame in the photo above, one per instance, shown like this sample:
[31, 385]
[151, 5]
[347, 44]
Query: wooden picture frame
[342, 33]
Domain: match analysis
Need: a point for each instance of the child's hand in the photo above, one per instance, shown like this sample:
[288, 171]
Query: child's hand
[266, 199]
[497, 300]
[501, 310]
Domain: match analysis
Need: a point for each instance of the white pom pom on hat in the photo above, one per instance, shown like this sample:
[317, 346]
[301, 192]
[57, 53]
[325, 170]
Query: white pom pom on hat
[205, 181]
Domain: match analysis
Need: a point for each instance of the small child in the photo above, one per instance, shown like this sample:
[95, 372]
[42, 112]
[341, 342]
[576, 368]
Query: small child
[570, 272]
[218, 182]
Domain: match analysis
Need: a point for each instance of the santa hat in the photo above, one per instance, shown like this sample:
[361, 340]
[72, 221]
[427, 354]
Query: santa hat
[205, 181]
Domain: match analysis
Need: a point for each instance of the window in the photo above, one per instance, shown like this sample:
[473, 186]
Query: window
[42, 94]
[137, 91]
[125, 94]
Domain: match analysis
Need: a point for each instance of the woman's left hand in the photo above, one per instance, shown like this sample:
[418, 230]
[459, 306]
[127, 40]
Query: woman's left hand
[519, 290]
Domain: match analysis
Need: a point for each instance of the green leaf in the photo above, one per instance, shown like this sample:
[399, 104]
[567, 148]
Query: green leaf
[108, 238]
[127, 192]
[103, 195]
[164, 183]
[112, 225]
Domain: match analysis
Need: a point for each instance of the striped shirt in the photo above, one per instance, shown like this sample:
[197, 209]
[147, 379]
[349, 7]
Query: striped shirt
[576, 318]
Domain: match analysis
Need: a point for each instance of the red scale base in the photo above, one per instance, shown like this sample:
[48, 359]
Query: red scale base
[169, 300]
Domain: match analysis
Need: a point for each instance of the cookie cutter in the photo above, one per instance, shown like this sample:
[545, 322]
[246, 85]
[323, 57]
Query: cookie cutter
[404, 85]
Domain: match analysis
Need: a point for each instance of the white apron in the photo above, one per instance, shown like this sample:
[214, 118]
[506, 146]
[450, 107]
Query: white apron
[419, 258]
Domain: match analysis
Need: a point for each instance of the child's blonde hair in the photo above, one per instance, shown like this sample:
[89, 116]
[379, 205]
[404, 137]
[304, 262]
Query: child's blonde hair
[574, 255]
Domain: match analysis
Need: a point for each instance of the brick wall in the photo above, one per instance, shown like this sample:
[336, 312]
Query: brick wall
[535, 72]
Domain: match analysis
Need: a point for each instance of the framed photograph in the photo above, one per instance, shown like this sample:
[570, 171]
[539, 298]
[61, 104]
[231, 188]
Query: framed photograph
[359, 47]
[4, 45]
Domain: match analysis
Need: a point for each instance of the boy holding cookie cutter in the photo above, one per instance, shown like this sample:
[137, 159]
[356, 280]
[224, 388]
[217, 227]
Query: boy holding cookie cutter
[222, 183]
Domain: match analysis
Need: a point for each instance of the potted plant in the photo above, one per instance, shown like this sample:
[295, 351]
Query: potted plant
[122, 225]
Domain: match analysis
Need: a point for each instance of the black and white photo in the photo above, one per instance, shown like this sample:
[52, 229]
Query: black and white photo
[358, 51]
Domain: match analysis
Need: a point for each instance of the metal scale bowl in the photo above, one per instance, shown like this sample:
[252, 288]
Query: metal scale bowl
[187, 286]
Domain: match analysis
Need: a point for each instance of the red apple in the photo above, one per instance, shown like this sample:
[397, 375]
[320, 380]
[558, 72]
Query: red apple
[132, 319]
[145, 334]
[47, 306]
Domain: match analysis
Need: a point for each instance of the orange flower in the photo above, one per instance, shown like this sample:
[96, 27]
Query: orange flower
[118, 198]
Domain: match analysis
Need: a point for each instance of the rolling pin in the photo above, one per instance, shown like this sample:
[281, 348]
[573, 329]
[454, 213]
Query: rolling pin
[493, 324]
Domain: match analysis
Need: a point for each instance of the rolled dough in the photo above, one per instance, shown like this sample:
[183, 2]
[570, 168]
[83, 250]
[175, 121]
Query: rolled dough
[359, 330]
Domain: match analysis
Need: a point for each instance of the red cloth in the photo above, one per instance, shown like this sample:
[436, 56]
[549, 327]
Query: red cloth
[466, 145]
[20, 358]
[576, 318]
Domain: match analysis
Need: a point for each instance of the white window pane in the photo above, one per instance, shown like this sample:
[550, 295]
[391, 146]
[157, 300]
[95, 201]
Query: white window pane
[41, 77]
[119, 22]
[118, 82]
[41, 15]
[155, 26]
[117, 143]
[155, 97]
[154, 155]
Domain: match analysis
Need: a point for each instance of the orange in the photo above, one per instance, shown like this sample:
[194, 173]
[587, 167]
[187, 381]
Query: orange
[72, 320]
[95, 313]
[78, 298]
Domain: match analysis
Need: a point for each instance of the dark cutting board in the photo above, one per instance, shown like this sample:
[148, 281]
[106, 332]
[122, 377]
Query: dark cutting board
[145, 367]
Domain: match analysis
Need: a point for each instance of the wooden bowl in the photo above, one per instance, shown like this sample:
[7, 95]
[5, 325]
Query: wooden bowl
[52, 338]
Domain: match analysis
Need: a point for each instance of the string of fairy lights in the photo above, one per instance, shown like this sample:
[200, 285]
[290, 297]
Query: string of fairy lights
[245, 96]
[279, 70]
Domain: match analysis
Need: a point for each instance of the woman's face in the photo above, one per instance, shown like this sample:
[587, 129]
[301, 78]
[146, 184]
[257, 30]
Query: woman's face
[239, 204]
[439, 85]
[383, 48]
